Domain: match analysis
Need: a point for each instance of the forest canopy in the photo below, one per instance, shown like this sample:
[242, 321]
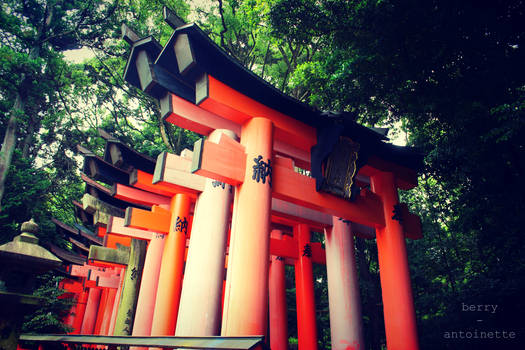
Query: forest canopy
[448, 77]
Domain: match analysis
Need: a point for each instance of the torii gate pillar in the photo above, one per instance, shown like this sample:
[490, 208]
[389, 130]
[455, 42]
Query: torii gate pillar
[200, 301]
[80, 310]
[101, 313]
[90, 314]
[277, 289]
[148, 286]
[343, 287]
[398, 304]
[171, 268]
[246, 295]
[106, 322]
[304, 291]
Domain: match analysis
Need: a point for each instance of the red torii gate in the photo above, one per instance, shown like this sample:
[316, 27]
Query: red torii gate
[174, 168]
[177, 170]
[201, 88]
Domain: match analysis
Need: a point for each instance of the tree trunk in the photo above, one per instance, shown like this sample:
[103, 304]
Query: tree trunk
[8, 146]
[28, 140]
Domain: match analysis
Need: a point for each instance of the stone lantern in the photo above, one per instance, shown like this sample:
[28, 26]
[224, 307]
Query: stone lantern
[21, 260]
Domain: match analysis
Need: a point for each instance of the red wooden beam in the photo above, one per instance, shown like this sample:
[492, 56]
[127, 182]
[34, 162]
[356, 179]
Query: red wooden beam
[175, 171]
[223, 107]
[287, 248]
[228, 165]
[108, 282]
[233, 105]
[188, 116]
[411, 223]
[290, 214]
[221, 161]
[144, 181]
[111, 241]
[72, 286]
[135, 195]
[293, 187]
[156, 220]
[82, 271]
[117, 226]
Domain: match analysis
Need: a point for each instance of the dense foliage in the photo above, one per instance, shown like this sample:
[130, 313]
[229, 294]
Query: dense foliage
[447, 74]
[452, 75]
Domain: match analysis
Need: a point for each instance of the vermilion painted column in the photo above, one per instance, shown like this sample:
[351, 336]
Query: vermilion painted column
[80, 311]
[304, 291]
[398, 305]
[343, 288]
[246, 296]
[277, 290]
[170, 277]
[200, 305]
[148, 286]
[90, 315]
[104, 327]
[101, 310]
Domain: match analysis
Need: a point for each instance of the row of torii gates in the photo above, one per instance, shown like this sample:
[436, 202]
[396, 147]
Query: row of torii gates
[210, 231]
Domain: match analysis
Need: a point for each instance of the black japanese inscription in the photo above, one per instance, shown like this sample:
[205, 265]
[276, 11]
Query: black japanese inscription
[181, 225]
[134, 273]
[345, 221]
[280, 258]
[127, 321]
[261, 170]
[218, 183]
[307, 250]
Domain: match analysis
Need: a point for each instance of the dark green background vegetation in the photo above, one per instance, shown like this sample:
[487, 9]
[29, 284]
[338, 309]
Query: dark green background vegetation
[449, 74]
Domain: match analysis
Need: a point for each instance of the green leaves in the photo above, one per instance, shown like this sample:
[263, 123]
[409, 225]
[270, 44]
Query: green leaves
[452, 73]
[26, 193]
[48, 317]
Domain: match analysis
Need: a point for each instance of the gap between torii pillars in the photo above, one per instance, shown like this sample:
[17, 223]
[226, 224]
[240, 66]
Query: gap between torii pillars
[171, 268]
[304, 291]
[200, 301]
[343, 288]
[246, 292]
[277, 299]
[398, 304]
